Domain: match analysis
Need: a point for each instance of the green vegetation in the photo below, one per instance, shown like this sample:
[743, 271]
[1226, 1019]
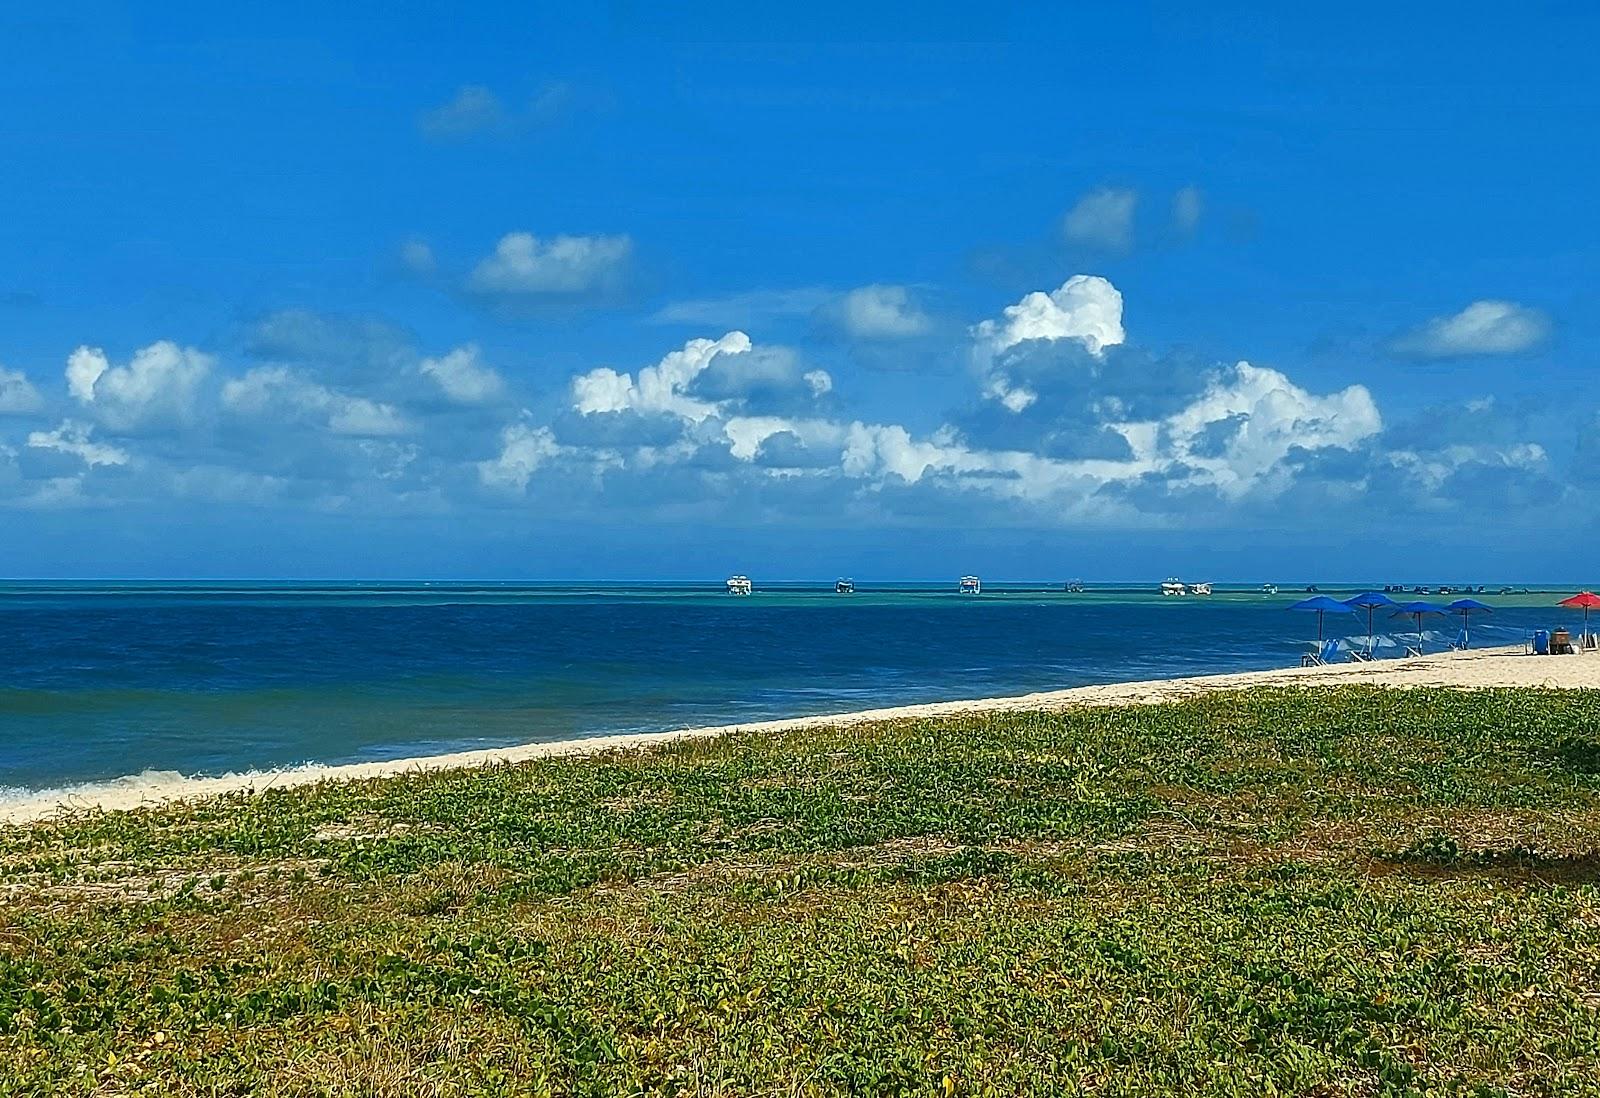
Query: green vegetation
[1335, 891]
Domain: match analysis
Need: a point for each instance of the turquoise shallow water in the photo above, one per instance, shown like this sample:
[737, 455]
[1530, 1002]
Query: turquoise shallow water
[104, 680]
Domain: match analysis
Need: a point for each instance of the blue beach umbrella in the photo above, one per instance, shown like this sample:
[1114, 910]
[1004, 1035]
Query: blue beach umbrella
[1465, 607]
[1416, 610]
[1369, 601]
[1322, 604]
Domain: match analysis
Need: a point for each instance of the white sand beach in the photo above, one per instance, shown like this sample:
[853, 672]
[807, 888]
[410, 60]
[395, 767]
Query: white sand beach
[1478, 669]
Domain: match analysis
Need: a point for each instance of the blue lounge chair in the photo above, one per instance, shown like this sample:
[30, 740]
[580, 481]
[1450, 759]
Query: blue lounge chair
[1328, 653]
[1541, 642]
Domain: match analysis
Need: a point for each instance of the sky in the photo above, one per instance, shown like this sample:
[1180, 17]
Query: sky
[634, 292]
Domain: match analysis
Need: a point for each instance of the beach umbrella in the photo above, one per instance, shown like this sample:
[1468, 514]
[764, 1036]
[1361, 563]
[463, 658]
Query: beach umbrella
[1369, 601]
[1416, 610]
[1587, 600]
[1469, 606]
[1322, 604]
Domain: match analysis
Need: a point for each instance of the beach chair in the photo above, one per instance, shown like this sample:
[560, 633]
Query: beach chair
[1541, 642]
[1328, 653]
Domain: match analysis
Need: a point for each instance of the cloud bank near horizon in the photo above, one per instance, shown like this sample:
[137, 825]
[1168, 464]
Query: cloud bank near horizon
[1068, 421]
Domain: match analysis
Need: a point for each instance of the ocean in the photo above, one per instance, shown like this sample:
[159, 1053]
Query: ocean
[105, 680]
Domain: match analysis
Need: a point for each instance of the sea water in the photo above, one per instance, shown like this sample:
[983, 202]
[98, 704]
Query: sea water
[99, 681]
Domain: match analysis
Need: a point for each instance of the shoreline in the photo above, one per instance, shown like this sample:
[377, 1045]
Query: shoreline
[1483, 668]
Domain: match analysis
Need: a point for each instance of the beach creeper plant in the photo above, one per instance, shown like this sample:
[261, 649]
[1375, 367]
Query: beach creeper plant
[1323, 891]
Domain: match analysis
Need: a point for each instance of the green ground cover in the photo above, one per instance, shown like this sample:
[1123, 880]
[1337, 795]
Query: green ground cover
[1328, 891]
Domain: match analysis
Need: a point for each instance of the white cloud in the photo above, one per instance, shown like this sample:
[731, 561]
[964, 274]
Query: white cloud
[523, 448]
[1247, 421]
[74, 438]
[276, 391]
[660, 389]
[473, 110]
[1482, 328]
[84, 367]
[821, 382]
[1086, 309]
[463, 377]
[1103, 218]
[159, 383]
[17, 394]
[1233, 438]
[1187, 206]
[523, 265]
[879, 312]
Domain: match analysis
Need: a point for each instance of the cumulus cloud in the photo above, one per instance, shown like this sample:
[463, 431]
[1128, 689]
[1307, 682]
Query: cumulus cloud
[659, 389]
[158, 385]
[1103, 218]
[1233, 440]
[1482, 328]
[17, 394]
[463, 377]
[1086, 310]
[877, 312]
[1078, 428]
[1247, 421]
[525, 266]
[474, 109]
[278, 392]
[523, 448]
[75, 439]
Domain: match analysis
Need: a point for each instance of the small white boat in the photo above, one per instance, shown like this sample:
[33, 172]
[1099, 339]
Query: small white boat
[1199, 589]
[1174, 587]
[844, 587]
[739, 585]
[970, 585]
[1269, 589]
[1075, 587]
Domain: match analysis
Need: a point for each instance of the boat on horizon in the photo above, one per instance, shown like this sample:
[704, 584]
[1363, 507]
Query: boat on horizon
[740, 585]
[1174, 586]
[844, 587]
[1269, 589]
[1200, 589]
[970, 585]
[1075, 587]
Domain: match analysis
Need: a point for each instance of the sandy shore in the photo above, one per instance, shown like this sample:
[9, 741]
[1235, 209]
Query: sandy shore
[1489, 667]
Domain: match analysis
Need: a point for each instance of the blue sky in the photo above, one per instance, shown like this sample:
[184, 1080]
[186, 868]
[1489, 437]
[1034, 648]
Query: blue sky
[1033, 291]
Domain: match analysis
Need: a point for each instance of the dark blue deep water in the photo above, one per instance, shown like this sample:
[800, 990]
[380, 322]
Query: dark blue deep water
[99, 681]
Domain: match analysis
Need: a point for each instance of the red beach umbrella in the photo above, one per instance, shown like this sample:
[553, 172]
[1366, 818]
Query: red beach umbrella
[1586, 600]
